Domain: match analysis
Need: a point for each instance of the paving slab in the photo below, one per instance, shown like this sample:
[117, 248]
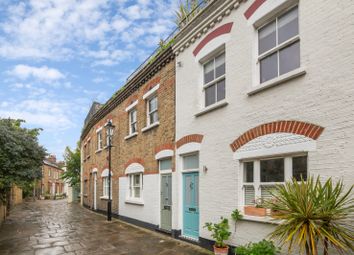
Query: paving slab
[56, 227]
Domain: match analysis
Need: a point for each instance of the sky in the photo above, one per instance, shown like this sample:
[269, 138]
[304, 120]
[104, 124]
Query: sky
[58, 56]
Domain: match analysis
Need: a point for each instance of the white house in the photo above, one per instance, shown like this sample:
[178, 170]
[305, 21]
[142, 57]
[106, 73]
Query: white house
[264, 93]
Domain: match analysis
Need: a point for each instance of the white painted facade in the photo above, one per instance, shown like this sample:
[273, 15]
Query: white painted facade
[320, 92]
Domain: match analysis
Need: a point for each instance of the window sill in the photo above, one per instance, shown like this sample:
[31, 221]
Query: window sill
[211, 108]
[104, 198]
[134, 202]
[265, 219]
[150, 126]
[277, 81]
[130, 136]
[98, 151]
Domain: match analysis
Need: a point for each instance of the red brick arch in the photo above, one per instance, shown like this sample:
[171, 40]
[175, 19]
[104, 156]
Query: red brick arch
[283, 126]
[194, 138]
[134, 160]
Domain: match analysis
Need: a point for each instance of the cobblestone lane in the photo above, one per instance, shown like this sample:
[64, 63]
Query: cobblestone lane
[55, 227]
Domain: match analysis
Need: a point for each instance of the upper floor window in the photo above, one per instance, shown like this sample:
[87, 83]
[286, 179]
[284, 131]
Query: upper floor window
[88, 148]
[133, 126]
[214, 80]
[279, 46]
[49, 173]
[152, 113]
[99, 140]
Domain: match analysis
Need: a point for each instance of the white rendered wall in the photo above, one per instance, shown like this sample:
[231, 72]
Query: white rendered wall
[323, 96]
[150, 211]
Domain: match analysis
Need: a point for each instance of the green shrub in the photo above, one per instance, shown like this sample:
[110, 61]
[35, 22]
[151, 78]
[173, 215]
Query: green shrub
[263, 247]
[220, 232]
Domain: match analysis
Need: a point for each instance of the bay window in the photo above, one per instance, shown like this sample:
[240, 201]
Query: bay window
[279, 45]
[214, 80]
[261, 175]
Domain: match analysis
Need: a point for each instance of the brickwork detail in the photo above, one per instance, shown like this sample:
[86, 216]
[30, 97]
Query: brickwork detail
[194, 138]
[167, 146]
[295, 127]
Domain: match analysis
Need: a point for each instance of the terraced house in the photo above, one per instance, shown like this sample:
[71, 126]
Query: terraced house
[241, 102]
[143, 113]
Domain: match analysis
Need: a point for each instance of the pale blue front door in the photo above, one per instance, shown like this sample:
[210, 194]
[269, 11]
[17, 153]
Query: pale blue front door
[191, 205]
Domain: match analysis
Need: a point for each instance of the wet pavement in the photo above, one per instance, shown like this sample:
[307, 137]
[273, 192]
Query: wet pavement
[55, 227]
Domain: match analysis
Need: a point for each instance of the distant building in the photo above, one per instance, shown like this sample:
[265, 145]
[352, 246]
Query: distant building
[51, 183]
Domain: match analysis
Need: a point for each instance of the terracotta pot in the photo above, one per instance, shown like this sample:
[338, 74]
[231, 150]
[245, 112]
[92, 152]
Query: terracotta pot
[221, 251]
[255, 211]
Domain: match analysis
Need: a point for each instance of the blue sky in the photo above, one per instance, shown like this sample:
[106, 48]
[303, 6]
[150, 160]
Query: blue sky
[57, 56]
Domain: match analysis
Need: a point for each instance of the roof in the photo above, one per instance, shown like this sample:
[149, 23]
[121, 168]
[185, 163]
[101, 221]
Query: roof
[94, 108]
[46, 162]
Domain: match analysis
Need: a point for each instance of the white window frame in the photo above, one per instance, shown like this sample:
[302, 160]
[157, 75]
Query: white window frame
[131, 194]
[105, 187]
[165, 171]
[216, 80]
[149, 111]
[49, 173]
[277, 48]
[131, 123]
[257, 184]
[99, 140]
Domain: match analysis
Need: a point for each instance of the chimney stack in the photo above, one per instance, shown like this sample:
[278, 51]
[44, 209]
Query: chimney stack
[52, 158]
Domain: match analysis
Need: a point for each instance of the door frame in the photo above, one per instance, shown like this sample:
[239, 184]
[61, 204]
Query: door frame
[94, 172]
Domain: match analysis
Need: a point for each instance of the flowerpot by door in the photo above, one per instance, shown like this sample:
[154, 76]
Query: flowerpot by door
[255, 211]
[221, 251]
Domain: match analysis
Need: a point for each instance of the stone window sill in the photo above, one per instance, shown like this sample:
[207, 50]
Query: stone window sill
[265, 219]
[150, 126]
[104, 198]
[277, 81]
[211, 108]
[98, 150]
[134, 201]
[131, 136]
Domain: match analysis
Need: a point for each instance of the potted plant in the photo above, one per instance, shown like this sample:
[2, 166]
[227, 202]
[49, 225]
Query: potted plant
[220, 232]
[314, 215]
[263, 247]
[257, 210]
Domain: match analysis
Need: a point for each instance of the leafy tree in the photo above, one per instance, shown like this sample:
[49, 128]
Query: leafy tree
[21, 156]
[314, 213]
[73, 164]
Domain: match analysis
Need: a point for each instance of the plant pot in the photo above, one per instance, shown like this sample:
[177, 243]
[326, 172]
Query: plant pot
[221, 251]
[255, 211]
[274, 214]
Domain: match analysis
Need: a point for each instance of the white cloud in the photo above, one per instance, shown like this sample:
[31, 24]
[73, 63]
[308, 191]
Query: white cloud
[44, 73]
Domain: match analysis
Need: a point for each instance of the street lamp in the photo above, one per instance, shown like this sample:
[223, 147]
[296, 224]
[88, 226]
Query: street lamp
[109, 132]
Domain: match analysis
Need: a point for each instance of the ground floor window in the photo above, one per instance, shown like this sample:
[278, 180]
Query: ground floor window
[261, 175]
[106, 186]
[135, 185]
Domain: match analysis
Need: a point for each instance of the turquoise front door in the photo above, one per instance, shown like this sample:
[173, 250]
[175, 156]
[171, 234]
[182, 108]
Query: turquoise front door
[191, 205]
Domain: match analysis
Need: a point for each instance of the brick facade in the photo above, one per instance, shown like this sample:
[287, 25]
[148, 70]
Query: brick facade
[51, 183]
[137, 149]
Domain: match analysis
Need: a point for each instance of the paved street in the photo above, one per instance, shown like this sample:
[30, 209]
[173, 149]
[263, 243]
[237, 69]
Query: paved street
[54, 227]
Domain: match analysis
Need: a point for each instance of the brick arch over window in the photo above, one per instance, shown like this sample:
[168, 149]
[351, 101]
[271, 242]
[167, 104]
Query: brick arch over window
[295, 127]
[134, 160]
[224, 29]
[194, 138]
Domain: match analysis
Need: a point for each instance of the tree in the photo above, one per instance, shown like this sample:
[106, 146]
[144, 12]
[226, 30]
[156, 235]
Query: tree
[21, 156]
[314, 213]
[73, 164]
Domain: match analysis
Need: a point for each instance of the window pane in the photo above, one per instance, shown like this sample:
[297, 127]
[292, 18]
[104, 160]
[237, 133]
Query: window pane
[248, 172]
[266, 38]
[266, 192]
[154, 117]
[288, 25]
[191, 162]
[166, 164]
[210, 96]
[249, 195]
[188, 191]
[289, 58]
[269, 67]
[220, 65]
[137, 192]
[136, 180]
[300, 168]
[153, 104]
[209, 71]
[221, 90]
[272, 170]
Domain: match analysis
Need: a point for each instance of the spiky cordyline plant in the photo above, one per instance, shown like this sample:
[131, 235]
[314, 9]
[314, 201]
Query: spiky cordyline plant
[314, 214]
